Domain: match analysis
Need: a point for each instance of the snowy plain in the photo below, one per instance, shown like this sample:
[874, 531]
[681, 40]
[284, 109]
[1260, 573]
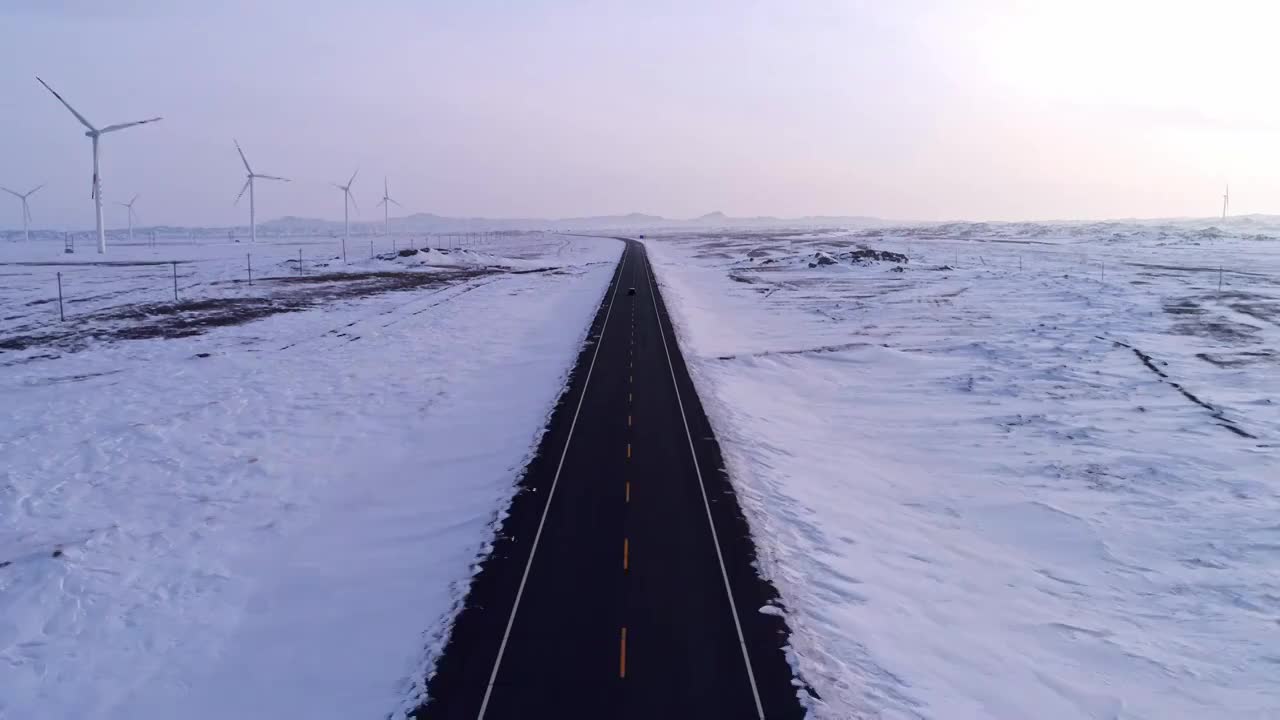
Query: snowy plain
[975, 495]
[214, 509]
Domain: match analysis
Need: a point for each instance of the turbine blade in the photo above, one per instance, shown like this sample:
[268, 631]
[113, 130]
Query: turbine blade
[246, 187]
[17, 195]
[381, 202]
[134, 200]
[396, 203]
[271, 177]
[33, 190]
[353, 177]
[354, 204]
[122, 126]
[243, 159]
[79, 117]
[26, 212]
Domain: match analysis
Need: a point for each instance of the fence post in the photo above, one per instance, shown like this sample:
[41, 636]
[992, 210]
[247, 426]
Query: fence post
[248, 264]
[299, 261]
[344, 251]
[175, 281]
[61, 315]
[370, 249]
[1103, 265]
[1219, 278]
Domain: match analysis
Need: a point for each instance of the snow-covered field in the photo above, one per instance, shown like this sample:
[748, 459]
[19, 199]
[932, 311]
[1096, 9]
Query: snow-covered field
[266, 500]
[1030, 473]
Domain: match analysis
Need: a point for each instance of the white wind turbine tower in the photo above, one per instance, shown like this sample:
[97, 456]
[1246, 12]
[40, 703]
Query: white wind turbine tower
[248, 185]
[347, 201]
[94, 134]
[129, 205]
[1226, 197]
[386, 207]
[26, 211]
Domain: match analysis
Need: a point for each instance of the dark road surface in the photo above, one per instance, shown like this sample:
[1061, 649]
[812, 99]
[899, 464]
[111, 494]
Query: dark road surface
[622, 584]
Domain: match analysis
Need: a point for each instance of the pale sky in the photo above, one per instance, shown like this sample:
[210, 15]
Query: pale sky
[962, 109]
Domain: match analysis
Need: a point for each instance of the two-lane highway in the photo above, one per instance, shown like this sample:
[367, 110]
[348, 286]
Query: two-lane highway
[622, 584]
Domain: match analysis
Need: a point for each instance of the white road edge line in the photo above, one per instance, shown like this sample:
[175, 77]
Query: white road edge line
[493, 676]
[724, 574]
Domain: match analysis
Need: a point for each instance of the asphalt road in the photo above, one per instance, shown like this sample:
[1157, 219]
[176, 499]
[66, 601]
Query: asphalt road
[621, 585]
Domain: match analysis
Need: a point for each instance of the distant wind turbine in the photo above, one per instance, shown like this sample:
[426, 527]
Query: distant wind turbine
[347, 200]
[129, 205]
[1226, 198]
[94, 134]
[386, 208]
[248, 185]
[26, 211]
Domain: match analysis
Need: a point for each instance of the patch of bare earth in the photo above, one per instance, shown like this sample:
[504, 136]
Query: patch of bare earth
[185, 318]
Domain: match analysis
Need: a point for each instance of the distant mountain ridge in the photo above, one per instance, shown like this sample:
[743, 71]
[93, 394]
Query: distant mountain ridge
[430, 222]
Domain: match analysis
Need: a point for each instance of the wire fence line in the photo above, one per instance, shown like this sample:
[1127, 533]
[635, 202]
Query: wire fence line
[1102, 263]
[179, 280]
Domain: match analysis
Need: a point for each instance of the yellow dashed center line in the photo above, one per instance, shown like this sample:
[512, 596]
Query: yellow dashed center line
[626, 543]
[622, 657]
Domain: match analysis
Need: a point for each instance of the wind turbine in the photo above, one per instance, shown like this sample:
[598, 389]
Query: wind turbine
[129, 205]
[248, 185]
[1226, 197]
[386, 208]
[94, 134]
[26, 211]
[347, 200]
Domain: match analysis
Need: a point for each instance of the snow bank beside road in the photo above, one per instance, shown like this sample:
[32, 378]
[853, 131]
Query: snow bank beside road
[272, 519]
[974, 503]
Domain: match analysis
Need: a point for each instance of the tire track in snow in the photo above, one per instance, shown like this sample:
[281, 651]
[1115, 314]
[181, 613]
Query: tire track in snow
[466, 286]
